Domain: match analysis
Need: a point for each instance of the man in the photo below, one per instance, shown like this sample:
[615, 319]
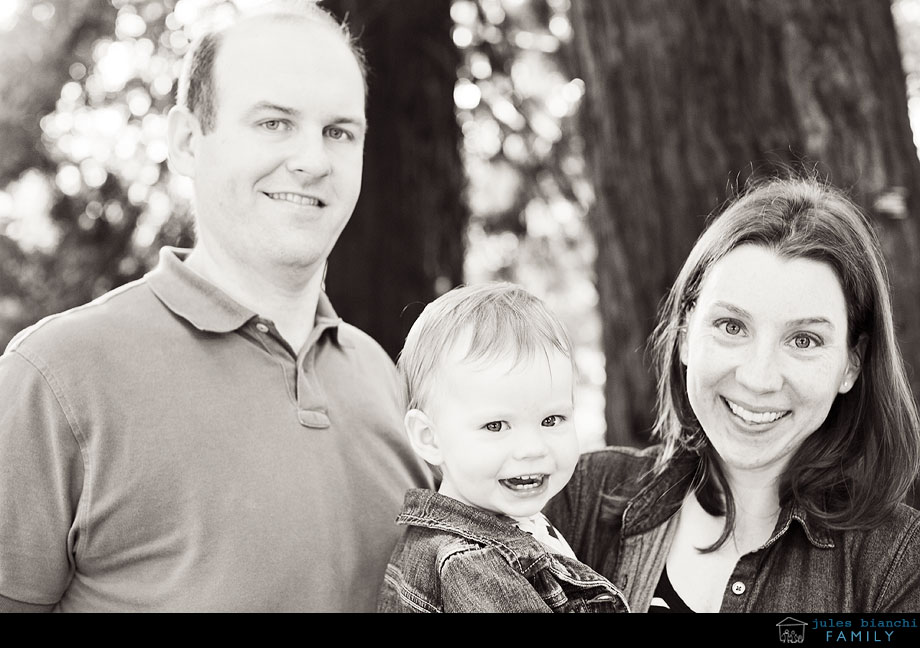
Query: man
[212, 437]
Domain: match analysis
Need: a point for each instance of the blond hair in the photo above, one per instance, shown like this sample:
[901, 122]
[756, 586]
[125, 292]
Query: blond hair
[497, 320]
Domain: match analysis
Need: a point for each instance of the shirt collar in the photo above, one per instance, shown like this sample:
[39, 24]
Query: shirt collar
[817, 534]
[664, 494]
[660, 495]
[426, 508]
[207, 307]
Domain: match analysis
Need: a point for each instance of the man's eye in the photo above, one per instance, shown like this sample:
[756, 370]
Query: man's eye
[273, 125]
[494, 426]
[336, 133]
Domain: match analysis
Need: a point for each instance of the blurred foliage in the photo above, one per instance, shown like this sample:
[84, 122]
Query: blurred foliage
[86, 199]
[528, 195]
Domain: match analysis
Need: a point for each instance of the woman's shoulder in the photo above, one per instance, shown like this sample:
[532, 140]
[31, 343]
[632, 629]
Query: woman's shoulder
[903, 524]
[895, 539]
[886, 560]
[619, 459]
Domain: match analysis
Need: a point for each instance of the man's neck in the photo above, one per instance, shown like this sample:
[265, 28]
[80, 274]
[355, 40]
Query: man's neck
[287, 298]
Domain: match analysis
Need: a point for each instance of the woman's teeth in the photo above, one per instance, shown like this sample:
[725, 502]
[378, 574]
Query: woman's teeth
[754, 417]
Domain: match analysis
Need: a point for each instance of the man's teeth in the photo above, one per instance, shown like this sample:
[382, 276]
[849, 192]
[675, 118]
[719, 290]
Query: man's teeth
[754, 417]
[297, 199]
[524, 482]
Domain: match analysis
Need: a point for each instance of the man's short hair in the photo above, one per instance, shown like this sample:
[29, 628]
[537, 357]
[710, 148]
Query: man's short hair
[496, 320]
[197, 89]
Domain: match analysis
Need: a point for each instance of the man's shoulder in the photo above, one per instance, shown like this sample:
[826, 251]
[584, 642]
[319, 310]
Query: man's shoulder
[118, 310]
[366, 347]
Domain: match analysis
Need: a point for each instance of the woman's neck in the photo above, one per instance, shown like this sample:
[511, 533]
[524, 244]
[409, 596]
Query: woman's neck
[756, 498]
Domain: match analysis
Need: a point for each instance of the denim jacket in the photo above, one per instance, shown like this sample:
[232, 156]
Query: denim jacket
[620, 520]
[457, 558]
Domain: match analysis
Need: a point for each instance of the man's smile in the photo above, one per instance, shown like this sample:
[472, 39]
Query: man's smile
[297, 199]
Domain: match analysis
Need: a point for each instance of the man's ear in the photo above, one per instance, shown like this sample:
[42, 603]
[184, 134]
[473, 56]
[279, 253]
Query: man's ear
[182, 134]
[854, 365]
[422, 436]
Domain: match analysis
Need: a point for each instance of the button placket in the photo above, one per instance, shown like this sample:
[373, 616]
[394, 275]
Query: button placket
[311, 398]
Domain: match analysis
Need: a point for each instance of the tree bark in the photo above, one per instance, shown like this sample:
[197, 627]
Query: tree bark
[685, 100]
[404, 244]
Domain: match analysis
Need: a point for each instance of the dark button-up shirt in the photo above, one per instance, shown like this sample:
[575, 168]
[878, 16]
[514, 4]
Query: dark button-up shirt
[620, 520]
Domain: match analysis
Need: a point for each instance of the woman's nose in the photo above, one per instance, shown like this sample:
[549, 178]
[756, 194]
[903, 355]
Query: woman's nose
[759, 369]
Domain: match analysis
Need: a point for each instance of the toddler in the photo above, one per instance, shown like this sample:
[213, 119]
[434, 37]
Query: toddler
[489, 375]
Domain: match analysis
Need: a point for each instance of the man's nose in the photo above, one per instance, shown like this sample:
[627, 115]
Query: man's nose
[759, 368]
[308, 154]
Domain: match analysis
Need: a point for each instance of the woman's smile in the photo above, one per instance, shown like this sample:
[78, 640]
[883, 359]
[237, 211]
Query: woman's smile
[755, 416]
[766, 355]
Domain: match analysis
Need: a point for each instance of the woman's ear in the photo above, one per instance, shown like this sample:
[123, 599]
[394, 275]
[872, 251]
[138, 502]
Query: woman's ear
[854, 365]
[182, 133]
[682, 334]
[421, 432]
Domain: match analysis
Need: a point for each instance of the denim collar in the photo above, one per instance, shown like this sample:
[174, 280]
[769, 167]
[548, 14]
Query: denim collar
[662, 495]
[426, 508]
[205, 306]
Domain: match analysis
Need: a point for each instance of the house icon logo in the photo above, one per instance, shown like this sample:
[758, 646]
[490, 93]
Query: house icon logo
[791, 631]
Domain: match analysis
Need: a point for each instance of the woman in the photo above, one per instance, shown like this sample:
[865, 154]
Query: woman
[789, 437]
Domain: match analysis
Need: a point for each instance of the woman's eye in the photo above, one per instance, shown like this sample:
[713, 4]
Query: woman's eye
[730, 327]
[804, 341]
[494, 426]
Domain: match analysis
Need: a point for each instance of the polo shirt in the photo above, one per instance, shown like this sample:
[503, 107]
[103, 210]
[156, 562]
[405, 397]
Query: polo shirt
[164, 449]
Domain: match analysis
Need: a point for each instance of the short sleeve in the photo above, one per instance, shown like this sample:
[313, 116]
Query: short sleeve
[41, 476]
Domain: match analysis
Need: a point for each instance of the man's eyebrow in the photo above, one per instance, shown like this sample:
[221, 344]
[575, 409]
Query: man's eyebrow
[267, 106]
[359, 122]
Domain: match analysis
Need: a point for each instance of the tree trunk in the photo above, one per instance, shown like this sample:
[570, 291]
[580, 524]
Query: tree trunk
[404, 244]
[685, 100]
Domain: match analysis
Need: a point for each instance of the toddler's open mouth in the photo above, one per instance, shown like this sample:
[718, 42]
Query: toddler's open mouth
[524, 482]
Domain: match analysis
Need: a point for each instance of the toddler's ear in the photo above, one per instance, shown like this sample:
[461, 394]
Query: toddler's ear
[422, 437]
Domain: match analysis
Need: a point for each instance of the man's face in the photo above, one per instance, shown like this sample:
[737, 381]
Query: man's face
[278, 176]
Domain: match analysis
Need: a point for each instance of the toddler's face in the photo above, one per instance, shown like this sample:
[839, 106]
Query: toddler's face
[506, 433]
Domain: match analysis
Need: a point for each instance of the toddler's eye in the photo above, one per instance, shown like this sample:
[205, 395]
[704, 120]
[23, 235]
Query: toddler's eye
[551, 421]
[494, 426]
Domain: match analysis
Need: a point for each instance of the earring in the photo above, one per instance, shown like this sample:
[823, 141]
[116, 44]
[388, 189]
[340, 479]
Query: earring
[846, 384]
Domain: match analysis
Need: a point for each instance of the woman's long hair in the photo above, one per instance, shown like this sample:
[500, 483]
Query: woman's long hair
[864, 458]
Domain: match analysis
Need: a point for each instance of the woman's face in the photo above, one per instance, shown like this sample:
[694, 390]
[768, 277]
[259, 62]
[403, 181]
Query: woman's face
[766, 354]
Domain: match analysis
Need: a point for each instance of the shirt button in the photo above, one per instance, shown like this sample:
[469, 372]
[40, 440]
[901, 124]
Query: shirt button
[262, 327]
[738, 588]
